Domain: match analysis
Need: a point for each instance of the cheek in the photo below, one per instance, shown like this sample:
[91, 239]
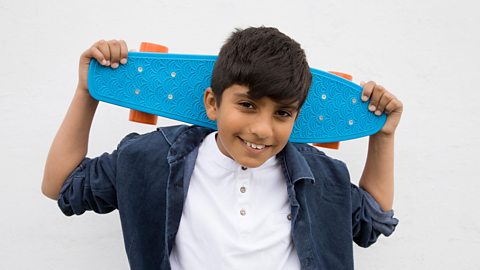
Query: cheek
[284, 131]
[229, 123]
[282, 145]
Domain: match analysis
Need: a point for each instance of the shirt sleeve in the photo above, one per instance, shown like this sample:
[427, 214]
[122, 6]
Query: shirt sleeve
[369, 220]
[91, 186]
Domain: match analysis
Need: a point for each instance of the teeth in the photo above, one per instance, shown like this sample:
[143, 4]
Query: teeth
[256, 146]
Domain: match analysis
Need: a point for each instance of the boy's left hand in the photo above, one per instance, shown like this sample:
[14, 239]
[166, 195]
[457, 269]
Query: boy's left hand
[382, 101]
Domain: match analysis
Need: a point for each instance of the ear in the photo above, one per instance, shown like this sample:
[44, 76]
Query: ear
[210, 104]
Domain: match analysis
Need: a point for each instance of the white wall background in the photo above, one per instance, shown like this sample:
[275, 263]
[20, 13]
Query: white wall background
[426, 52]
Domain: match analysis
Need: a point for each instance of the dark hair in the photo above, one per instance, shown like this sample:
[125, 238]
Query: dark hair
[266, 61]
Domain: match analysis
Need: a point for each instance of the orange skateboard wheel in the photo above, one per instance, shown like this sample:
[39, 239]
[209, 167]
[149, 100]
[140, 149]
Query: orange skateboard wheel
[343, 75]
[138, 116]
[152, 47]
[335, 145]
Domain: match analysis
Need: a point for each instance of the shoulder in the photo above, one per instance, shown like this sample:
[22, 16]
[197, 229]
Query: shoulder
[313, 154]
[162, 138]
[161, 135]
[322, 165]
[169, 134]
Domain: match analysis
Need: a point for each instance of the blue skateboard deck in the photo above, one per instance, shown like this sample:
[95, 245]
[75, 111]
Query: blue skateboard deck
[172, 86]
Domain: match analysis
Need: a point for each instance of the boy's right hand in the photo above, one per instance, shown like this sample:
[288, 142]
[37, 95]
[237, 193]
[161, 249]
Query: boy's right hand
[108, 53]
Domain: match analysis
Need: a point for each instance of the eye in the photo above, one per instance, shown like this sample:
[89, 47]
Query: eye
[284, 114]
[246, 105]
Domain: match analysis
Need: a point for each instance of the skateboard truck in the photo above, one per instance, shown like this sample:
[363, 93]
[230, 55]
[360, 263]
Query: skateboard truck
[138, 116]
[335, 145]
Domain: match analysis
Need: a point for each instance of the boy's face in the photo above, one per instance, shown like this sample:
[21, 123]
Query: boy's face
[242, 121]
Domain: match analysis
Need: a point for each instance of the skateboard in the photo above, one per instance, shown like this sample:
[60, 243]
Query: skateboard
[172, 86]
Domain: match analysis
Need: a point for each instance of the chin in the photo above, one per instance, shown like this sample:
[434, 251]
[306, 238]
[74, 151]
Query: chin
[252, 165]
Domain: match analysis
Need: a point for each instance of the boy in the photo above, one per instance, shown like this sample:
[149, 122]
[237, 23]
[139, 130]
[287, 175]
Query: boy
[240, 198]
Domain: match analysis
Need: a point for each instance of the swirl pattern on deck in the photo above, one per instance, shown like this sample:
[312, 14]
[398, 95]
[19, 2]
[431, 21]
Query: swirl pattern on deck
[172, 86]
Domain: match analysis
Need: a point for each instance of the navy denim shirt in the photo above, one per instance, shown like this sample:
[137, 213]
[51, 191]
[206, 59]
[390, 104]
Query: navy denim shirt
[146, 178]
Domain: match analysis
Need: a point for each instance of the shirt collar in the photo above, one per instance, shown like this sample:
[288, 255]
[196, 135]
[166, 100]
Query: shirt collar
[294, 164]
[183, 140]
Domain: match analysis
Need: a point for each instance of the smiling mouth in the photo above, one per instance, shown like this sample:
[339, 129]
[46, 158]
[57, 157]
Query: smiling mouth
[255, 146]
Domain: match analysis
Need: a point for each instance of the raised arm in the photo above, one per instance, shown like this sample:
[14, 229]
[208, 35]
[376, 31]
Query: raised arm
[378, 174]
[70, 145]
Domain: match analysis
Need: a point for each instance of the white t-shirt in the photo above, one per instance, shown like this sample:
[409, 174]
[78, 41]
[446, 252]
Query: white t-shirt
[234, 218]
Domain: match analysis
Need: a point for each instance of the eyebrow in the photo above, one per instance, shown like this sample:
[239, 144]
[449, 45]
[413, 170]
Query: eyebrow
[282, 105]
[288, 106]
[242, 95]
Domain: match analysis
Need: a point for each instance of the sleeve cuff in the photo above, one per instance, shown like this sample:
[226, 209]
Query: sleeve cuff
[62, 201]
[382, 221]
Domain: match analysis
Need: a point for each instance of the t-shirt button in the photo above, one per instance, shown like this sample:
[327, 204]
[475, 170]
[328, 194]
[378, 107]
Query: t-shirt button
[244, 168]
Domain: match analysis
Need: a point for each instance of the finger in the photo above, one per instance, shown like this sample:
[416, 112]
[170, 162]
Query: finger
[114, 53]
[123, 52]
[394, 110]
[394, 105]
[103, 47]
[367, 90]
[97, 55]
[377, 94]
[384, 100]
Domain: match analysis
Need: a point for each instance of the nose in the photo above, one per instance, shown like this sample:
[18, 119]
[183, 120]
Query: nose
[262, 127]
